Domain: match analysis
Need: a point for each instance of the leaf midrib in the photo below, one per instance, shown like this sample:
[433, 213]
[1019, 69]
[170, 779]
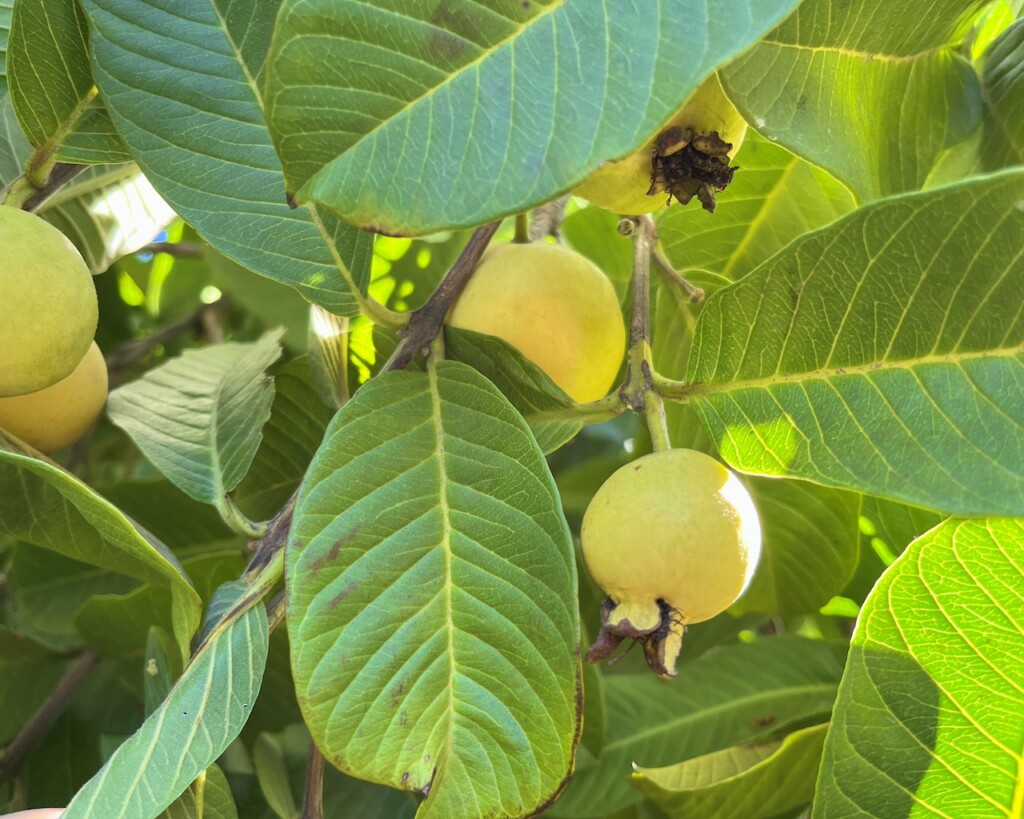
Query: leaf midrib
[704, 389]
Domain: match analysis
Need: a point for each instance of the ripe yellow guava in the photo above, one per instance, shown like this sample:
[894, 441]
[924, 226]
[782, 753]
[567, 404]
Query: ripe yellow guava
[56, 416]
[672, 538]
[625, 186]
[555, 307]
[48, 300]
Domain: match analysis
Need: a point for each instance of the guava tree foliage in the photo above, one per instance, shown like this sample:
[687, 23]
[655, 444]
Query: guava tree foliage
[320, 557]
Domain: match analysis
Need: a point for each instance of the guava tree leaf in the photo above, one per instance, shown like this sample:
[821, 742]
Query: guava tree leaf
[199, 417]
[108, 211]
[935, 666]
[48, 589]
[6, 10]
[884, 353]
[810, 546]
[159, 66]
[762, 780]
[272, 774]
[203, 714]
[728, 696]
[774, 197]
[47, 507]
[870, 91]
[51, 84]
[117, 625]
[431, 598]
[1002, 90]
[28, 675]
[521, 381]
[291, 437]
[410, 100]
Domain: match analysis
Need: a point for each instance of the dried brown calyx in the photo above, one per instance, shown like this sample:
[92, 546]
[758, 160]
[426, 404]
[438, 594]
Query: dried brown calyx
[686, 164]
[660, 645]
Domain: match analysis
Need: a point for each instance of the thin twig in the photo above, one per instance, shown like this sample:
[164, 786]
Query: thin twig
[46, 715]
[425, 323]
[180, 250]
[313, 794]
[665, 267]
[122, 359]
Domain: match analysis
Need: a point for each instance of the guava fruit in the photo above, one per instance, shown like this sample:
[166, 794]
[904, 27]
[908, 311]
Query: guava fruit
[672, 538]
[555, 307]
[49, 304]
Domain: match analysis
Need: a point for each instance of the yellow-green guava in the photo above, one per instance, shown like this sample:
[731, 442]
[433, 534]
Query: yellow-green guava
[555, 307]
[672, 538]
[623, 186]
[62, 413]
[49, 304]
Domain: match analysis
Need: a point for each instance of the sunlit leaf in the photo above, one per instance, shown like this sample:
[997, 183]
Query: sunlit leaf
[935, 669]
[871, 91]
[884, 353]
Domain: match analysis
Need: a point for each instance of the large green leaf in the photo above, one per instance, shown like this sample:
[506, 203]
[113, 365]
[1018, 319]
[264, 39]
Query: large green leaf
[199, 417]
[729, 696]
[872, 91]
[936, 670]
[51, 85]
[1002, 134]
[763, 780]
[884, 353]
[181, 84]
[108, 211]
[810, 546]
[43, 505]
[774, 198]
[410, 116]
[201, 716]
[432, 598]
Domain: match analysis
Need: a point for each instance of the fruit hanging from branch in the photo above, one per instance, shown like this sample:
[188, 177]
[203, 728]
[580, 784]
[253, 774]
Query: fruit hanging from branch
[49, 302]
[688, 157]
[554, 306]
[672, 538]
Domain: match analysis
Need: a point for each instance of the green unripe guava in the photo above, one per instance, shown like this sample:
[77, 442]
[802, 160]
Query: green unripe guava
[49, 304]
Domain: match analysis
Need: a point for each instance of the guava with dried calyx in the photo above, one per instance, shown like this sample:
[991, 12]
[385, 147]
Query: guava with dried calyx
[672, 538]
[687, 157]
[49, 303]
[51, 418]
[555, 307]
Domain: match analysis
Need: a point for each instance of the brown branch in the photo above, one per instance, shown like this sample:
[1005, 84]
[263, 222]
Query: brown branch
[273, 539]
[548, 218]
[62, 173]
[425, 323]
[180, 250]
[43, 719]
[313, 796]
